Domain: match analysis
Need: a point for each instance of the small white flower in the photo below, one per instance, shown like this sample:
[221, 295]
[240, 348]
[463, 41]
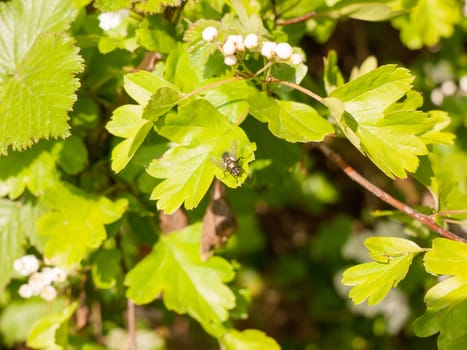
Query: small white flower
[111, 20]
[448, 88]
[39, 280]
[58, 274]
[251, 41]
[235, 39]
[228, 48]
[437, 97]
[296, 59]
[209, 33]
[48, 293]
[463, 83]
[284, 51]
[268, 49]
[26, 265]
[25, 291]
[230, 60]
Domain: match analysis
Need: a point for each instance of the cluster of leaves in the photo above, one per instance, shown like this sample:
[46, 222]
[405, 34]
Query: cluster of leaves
[62, 201]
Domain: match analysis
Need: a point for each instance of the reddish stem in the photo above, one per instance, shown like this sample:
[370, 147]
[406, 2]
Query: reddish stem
[384, 196]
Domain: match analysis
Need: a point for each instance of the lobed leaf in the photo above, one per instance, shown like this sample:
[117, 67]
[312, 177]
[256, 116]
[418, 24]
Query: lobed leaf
[374, 280]
[75, 223]
[187, 283]
[37, 68]
[251, 339]
[447, 257]
[291, 121]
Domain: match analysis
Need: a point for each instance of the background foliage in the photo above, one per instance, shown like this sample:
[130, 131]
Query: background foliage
[117, 123]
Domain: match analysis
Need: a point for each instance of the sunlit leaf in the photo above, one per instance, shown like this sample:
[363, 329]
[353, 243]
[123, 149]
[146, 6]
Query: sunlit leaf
[251, 339]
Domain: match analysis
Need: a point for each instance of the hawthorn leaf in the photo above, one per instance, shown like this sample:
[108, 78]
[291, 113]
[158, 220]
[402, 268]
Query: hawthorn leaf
[427, 22]
[106, 268]
[50, 331]
[37, 67]
[142, 85]
[251, 339]
[374, 280]
[427, 324]
[155, 33]
[447, 257]
[446, 293]
[73, 155]
[112, 5]
[127, 122]
[33, 169]
[288, 120]
[161, 102]
[12, 238]
[75, 223]
[230, 99]
[391, 133]
[175, 270]
[200, 135]
[332, 74]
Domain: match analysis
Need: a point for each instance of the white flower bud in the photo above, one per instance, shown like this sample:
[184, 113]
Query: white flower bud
[26, 265]
[284, 51]
[25, 291]
[111, 20]
[228, 48]
[251, 41]
[58, 274]
[448, 88]
[230, 60]
[268, 49]
[235, 39]
[48, 293]
[463, 83]
[437, 97]
[296, 59]
[209, 33]
[39, 280]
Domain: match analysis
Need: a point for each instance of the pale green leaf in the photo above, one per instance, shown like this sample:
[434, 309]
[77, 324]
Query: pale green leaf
[427, 22]
[45, 332]
[12, 238]
[112, 5]
[446, 293]
[142, 85]
[37, 68]
[391, 133]
[332, 74]
[291, 121]
[374, 280]
[201, 135]
[187, 284]
[18, 317]
[33, 169]
[75, 223]
[447, 257]
[155, 33]
[248, 339]
[161, 102]
[127, 121]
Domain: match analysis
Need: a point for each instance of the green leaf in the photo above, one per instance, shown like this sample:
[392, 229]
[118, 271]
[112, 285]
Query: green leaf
[33, 169]
[446, 293]
[127, 122]
[73, 155]
[142, 85]
[291, 121]
[230, 99]
[161, 102]
[112, 5]
[81, 216]
[156, 34]
[18, 318]
[106, 268]
[374, 280]
[188, 284]
[427, 22]
[332, 74]
[12, 238]
[391, 133]
[37, 68]
[249, 339]
[447, 257]
[201, 135]
[48, 331]
[427, 324]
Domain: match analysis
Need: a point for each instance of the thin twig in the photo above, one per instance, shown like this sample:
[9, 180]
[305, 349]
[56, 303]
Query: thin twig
[296, 87]
[131, 325]
[298, 19]
[384, 196]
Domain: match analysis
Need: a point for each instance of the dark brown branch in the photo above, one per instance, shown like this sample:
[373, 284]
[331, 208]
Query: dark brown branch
[384, 196]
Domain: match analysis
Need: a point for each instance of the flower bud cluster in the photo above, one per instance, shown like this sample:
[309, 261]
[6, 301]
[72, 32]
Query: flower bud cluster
[39, 282]
[236, 44]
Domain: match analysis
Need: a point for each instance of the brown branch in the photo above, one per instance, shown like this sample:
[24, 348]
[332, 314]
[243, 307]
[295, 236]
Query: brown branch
[298, 19]
[296, 87]
[384, 196]
[131, 325]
